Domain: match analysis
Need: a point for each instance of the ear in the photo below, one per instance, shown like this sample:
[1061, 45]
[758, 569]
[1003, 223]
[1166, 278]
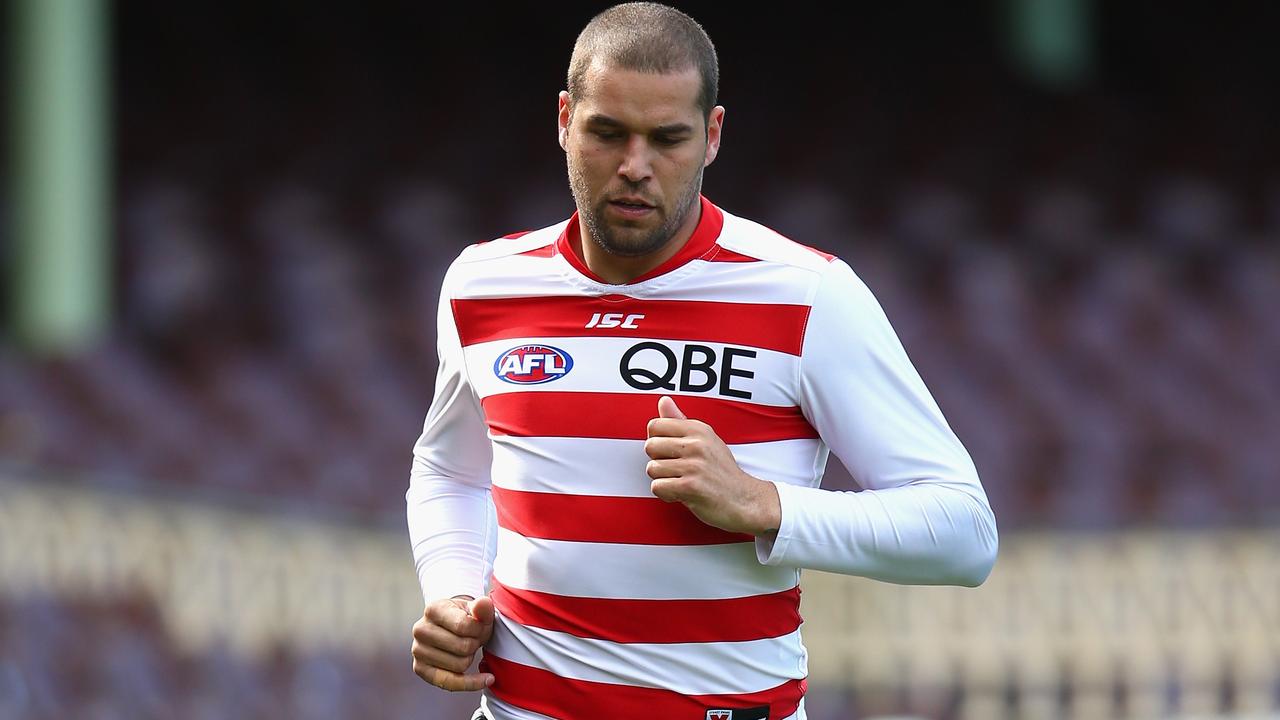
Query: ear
[565, 114]
[715, 123]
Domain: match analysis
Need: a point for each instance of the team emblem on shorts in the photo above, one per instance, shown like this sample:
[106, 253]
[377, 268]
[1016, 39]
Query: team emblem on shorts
[719, 715]
[532, 364]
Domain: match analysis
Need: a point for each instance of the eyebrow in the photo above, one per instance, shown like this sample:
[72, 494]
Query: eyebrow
[672, 129]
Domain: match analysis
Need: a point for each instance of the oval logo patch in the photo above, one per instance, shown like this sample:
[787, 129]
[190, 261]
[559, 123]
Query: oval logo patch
[532, 364]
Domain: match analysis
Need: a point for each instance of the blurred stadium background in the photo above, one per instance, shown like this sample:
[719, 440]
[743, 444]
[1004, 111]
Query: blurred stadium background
[223, 229]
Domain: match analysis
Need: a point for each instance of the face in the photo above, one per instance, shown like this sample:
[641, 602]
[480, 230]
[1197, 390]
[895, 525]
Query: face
[636, 146]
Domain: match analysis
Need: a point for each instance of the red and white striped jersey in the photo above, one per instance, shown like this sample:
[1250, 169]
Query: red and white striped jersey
[529, 480]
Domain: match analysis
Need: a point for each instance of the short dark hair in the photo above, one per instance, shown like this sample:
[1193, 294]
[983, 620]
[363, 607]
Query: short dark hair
[646, 37]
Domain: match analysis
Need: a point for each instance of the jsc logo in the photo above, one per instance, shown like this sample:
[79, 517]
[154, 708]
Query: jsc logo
[532, 364]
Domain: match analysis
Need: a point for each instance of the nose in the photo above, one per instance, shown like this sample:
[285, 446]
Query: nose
[636, 162]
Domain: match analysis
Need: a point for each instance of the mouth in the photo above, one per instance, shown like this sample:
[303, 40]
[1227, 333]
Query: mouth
[631, 207]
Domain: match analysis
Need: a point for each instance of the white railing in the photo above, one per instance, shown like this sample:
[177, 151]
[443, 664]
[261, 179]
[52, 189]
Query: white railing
[1138, 624]
[1171, 623]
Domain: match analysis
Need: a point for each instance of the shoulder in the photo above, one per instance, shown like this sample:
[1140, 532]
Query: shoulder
[526, 243]
[754, 241]
[504, 265]
[770, 266]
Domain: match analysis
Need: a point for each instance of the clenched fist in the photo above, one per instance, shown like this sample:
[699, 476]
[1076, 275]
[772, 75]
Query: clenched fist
[690, 464]
[446, 639]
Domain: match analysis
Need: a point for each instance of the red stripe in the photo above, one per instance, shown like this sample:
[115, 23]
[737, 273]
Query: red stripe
[653, 621]
[595, 518]
[544, 251]
[767, 326]
[516, 235]
[626, 416]
[545, 692]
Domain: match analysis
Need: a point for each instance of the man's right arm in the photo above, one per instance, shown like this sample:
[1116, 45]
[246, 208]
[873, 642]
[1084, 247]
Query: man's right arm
[451, 522]
[452, 527]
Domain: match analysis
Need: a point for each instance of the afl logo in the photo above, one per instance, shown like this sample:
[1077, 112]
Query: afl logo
[532, 364]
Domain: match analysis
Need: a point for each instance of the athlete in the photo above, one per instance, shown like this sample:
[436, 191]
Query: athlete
[618, 481]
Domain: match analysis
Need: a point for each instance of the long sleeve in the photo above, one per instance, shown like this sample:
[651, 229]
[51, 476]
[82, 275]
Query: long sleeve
[922, 517]
[452, 526]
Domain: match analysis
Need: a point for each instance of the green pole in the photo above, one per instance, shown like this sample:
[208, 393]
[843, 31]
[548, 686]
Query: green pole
[60, 269]
[1052, 40]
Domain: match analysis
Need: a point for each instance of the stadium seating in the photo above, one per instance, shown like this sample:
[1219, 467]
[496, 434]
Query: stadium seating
[1100, 375]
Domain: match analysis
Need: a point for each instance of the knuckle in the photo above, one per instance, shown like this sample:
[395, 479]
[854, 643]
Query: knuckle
[441, 679]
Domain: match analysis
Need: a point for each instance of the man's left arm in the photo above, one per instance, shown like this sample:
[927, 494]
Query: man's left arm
[922, 517]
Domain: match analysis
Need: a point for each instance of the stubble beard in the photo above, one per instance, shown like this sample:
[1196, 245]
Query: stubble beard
[627, 243]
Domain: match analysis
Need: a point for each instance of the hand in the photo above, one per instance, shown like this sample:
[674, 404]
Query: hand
[692, 465]
[445, 641]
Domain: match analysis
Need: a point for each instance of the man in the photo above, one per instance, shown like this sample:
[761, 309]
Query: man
[631, 418]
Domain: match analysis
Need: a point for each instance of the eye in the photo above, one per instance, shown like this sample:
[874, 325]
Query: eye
[607, 134]
[668, 140]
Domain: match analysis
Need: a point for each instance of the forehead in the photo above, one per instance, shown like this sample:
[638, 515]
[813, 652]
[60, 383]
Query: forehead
[640, 98]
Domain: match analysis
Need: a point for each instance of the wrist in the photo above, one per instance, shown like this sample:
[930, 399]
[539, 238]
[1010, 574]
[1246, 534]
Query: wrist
[769, 507]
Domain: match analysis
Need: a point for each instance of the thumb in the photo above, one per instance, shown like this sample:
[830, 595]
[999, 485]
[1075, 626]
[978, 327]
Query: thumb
[667, 408]
[481, 609]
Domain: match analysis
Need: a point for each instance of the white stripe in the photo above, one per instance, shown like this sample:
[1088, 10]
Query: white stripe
[766, 283]
[498, 710]
[597, 360]
[637, 572]
[575, 466]
[615, 468]
[711, 668]
[794, 462]
[515, 276]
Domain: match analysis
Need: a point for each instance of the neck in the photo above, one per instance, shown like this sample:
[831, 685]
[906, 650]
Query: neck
[619, 269]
